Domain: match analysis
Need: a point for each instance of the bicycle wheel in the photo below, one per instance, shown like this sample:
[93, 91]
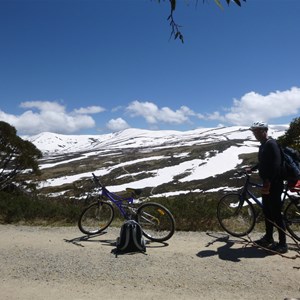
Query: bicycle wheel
[96, 217]
[292, 218]
[156, 221]
[235, 215]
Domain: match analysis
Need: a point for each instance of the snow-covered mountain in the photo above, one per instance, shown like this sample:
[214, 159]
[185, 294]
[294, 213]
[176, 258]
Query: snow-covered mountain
[167, 161]
[52, 143]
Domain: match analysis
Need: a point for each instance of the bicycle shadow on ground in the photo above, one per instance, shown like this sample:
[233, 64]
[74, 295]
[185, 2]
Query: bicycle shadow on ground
[79, 241]
[226, 252]
[152, 244]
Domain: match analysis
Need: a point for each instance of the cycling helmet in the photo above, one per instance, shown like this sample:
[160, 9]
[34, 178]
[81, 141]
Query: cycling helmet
[259, 125]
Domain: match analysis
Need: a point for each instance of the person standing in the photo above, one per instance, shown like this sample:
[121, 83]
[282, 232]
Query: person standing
[269, 168]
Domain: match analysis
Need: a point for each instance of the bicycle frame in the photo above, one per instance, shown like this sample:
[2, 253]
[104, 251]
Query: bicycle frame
[118, 201]
[245, 192]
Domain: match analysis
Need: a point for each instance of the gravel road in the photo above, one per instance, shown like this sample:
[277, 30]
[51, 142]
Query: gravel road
[60, 263]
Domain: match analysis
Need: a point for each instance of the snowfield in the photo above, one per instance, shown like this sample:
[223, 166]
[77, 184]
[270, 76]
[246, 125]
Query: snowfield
[58, 150]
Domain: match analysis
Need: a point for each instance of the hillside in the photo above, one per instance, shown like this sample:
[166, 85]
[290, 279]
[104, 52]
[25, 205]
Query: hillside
[163, 163]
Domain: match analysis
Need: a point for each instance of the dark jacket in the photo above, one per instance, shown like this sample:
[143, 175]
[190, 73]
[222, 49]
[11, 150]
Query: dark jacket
[269, 161]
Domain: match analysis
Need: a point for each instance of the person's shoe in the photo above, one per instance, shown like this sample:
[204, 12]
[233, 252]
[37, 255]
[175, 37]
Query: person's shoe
[280, 248]
[264, 242]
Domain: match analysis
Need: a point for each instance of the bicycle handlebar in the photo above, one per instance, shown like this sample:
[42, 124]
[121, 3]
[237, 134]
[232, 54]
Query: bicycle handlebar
[248, 180]
[248, 175]
[97, 181]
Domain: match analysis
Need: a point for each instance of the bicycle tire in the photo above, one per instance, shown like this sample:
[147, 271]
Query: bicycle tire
[235, 215]
[96, 217]
[292, 218]
[157, 222]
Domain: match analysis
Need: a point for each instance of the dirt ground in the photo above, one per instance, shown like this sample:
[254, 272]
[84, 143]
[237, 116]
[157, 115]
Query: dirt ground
[61, 263]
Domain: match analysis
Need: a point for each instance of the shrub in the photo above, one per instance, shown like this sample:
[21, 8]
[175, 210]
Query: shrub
[192, 212]
[16, 208]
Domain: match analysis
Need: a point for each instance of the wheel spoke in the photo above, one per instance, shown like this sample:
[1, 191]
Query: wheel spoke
[235, 215]
[96, 218]
[292, 217]
[156, 221]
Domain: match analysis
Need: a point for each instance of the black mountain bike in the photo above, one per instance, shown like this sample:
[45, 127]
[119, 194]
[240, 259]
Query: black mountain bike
[237, 216]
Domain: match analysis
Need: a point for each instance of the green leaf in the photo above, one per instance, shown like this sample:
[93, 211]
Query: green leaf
[173, 5]
[181, 38]
[237, 2]
[218, 2]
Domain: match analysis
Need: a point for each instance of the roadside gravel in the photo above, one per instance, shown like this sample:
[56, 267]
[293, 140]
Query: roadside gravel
[60, 263]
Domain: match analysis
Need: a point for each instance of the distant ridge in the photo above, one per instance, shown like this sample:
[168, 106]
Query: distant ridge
[53, 143]
[164, 162]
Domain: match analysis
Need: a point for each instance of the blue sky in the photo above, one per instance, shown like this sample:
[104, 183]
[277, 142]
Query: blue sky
[97, 66]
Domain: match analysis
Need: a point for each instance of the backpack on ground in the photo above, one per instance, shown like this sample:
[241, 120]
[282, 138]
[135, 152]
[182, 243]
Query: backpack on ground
[290, 164]
[130, 239]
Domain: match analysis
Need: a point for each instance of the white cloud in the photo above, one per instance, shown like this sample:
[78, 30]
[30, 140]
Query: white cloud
[53, 116]
[50, 116]
[44, 106]
[89, 110]
[153, 114]
[213, 116]
[117, 124]
[253, 106]
[117, 108]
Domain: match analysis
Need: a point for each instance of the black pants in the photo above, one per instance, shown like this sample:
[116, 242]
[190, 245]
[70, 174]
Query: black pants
[272, 206]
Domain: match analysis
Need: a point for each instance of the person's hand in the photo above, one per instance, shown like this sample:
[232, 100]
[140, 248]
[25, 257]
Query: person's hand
[265, 190]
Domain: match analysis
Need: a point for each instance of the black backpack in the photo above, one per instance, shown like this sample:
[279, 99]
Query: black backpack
[130, 239]
[290, 164]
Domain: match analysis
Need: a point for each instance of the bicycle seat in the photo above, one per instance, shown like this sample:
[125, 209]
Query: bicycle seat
[134, 192]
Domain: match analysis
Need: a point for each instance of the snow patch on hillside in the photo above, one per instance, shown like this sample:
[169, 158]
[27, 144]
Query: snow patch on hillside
[54, 145]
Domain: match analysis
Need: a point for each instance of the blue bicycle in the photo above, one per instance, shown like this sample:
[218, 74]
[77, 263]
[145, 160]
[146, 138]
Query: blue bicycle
[157, 222]
[237, 216]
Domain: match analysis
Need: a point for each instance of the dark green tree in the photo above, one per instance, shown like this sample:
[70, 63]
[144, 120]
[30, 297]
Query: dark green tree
[16, 155]
[176, 33]
[291, 138]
